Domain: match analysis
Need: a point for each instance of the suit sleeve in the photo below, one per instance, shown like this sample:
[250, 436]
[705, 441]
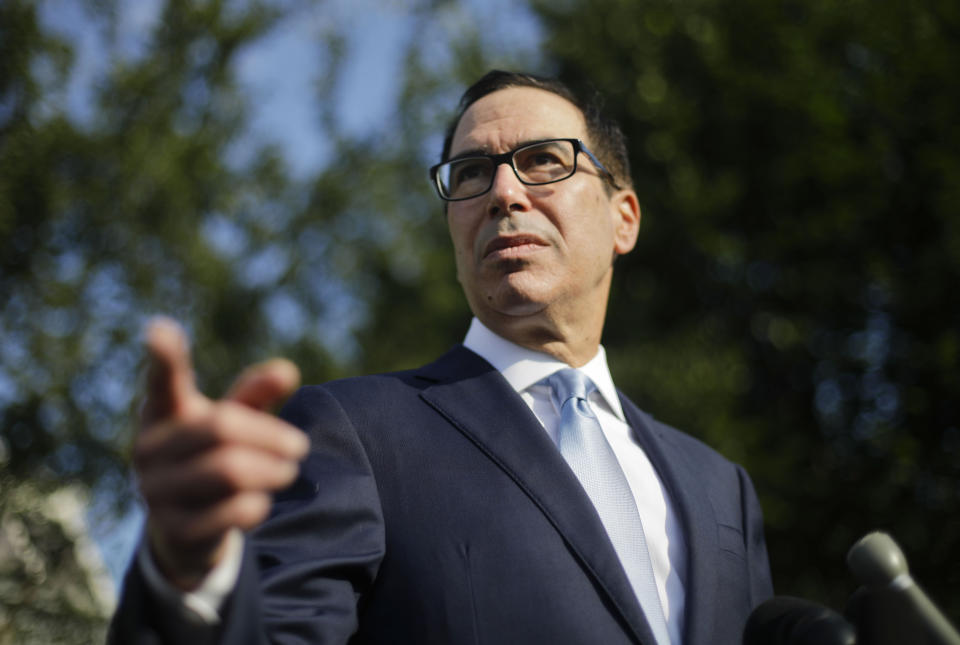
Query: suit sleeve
[307, 566]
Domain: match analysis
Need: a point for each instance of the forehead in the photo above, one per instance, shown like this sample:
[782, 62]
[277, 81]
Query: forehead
[509, 117]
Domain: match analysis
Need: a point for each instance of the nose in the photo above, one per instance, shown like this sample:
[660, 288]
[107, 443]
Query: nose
[508, 193]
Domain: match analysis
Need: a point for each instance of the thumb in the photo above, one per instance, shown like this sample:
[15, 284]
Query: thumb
[170, 379]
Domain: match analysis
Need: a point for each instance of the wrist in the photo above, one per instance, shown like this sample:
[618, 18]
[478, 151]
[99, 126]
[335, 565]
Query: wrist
[184, 567]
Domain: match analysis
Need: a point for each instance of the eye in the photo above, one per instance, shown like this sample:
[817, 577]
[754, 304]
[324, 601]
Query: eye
[545, 162]
[469, 170]
[538, 159]
[542, 158]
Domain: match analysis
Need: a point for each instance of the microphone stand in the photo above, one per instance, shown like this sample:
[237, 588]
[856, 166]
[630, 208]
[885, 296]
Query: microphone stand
[890, 607]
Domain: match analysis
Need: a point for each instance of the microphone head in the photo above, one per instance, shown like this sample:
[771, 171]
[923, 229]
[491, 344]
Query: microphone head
[785, 620]
[876, 560]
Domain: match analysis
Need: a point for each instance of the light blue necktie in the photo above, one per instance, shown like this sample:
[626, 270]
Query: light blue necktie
[591, 458]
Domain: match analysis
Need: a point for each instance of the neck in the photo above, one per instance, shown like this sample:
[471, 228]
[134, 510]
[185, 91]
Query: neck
[572, 337]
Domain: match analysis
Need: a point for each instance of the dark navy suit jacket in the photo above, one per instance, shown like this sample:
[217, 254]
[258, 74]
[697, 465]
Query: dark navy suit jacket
[433, 508]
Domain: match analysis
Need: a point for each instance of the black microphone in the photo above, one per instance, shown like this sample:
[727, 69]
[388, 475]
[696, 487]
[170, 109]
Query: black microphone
[785, 620]
[879, 564]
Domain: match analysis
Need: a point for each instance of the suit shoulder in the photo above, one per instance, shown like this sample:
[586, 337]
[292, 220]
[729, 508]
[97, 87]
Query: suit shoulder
[689, 443]
[395, 386]
[368, 390]
[686, 443]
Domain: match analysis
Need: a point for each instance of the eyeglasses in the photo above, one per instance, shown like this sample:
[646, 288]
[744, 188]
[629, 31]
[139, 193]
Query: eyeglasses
[534, 164]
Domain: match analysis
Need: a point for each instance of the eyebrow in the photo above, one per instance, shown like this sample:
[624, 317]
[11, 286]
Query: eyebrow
[482, 152]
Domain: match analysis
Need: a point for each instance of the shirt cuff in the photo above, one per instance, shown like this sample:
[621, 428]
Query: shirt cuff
[204, 602]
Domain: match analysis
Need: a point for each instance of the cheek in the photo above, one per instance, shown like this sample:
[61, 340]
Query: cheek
[593, 238]
[455, 229]
[462, 246]
[586, 225]
[466, 227]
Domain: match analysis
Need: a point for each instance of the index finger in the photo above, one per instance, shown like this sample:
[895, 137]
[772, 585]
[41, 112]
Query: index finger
[170, 379]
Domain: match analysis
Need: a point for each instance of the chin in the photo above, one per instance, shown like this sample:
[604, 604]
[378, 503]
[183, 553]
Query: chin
[514, 293]
[514, 298]
[520, 309]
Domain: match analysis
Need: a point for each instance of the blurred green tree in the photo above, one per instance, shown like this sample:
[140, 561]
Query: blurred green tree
[105, 223]
[161, 203]
[101, 224]
[793, 296]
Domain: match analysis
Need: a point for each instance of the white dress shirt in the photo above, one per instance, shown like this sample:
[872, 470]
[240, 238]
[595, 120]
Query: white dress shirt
[523, 369]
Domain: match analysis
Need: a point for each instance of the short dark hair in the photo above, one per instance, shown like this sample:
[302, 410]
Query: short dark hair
[607, 140]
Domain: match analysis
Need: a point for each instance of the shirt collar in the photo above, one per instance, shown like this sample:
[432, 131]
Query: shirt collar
[524, 367]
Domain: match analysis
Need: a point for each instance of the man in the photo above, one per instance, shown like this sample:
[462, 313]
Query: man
[434, 506]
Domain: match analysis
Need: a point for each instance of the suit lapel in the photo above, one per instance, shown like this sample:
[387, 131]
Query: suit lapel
[478, 401]
[684, 484]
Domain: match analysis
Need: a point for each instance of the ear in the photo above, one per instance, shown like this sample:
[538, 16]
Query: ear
[625, 210]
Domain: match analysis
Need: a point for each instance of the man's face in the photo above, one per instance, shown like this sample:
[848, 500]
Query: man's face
[524, 250]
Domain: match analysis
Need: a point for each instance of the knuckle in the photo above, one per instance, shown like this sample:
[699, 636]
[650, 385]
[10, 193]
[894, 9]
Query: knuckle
[216, 423]
[222, 421]
[230, 470]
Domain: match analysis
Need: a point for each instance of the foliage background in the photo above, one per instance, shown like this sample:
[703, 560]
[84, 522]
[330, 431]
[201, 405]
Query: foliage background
[792, 299]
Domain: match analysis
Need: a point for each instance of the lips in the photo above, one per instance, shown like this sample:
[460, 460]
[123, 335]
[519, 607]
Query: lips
[506, 244]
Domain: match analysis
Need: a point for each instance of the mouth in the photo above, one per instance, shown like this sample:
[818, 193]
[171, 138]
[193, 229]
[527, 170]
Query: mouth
[507, 246]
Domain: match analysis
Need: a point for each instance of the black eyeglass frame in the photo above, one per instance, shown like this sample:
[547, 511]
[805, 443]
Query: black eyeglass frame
[507, 158]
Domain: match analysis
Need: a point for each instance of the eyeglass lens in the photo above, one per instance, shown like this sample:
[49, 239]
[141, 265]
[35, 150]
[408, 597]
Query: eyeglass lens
[539, 163]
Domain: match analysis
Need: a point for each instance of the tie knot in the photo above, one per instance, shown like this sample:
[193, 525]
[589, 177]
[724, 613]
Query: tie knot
[569, 383]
